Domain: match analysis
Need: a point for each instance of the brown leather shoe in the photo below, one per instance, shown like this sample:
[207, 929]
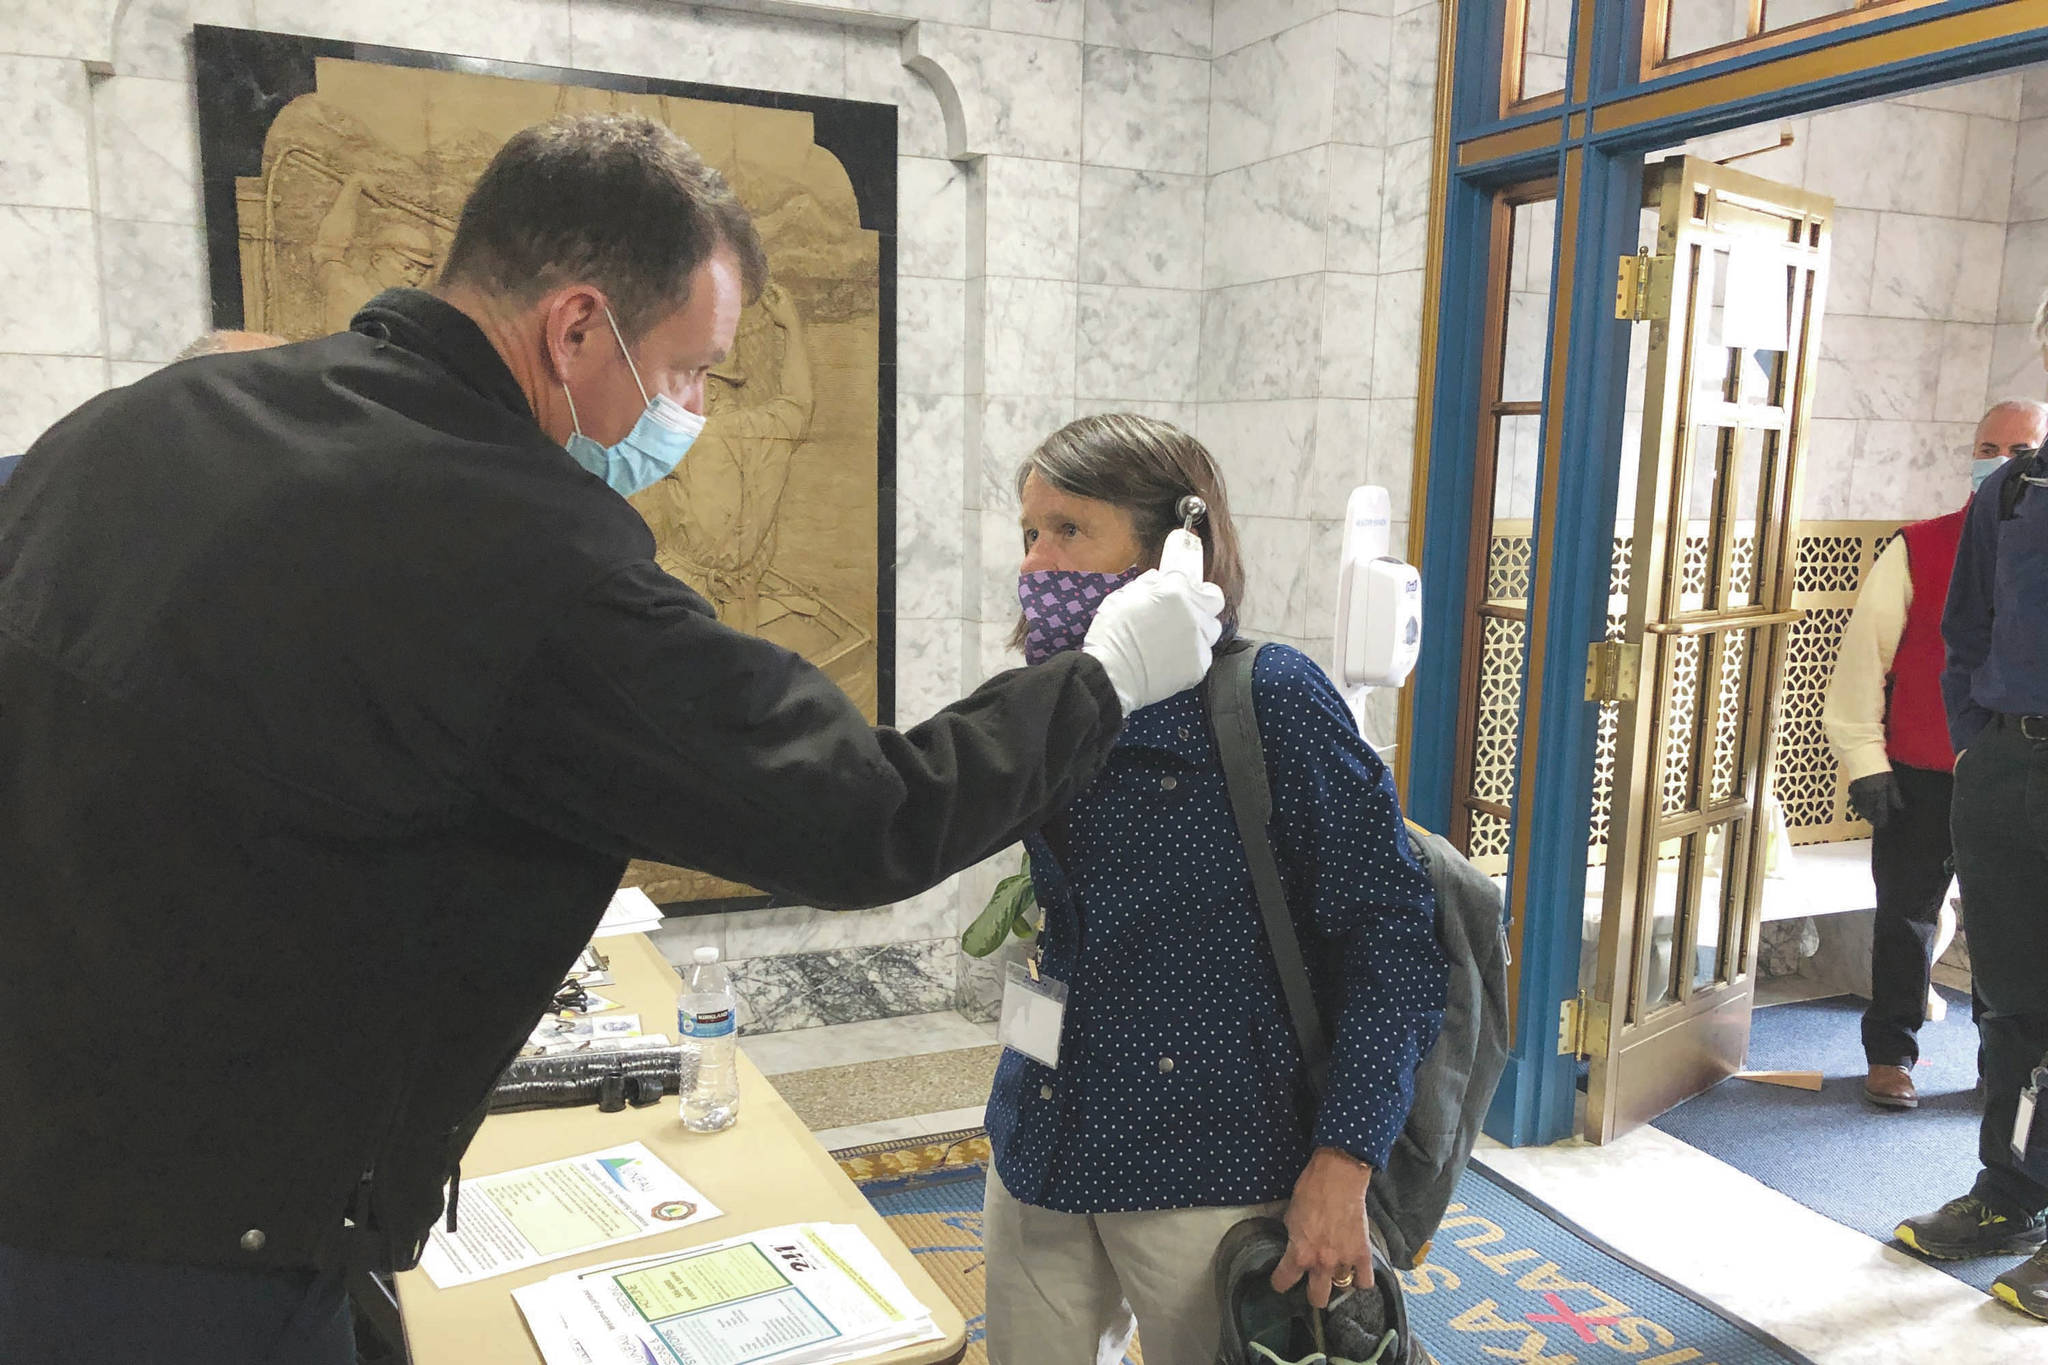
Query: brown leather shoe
[1892, 1087]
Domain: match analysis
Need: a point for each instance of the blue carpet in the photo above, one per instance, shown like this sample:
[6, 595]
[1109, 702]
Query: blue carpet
[1506, 1280]
[1862, 1166]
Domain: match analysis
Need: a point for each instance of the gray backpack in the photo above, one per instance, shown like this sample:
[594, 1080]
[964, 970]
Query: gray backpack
[1455, 1082]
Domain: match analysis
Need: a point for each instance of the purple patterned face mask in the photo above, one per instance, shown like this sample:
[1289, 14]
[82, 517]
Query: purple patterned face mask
[1059, 605]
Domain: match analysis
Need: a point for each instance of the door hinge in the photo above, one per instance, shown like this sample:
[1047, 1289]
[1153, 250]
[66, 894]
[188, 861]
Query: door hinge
[1613, 670]
[1582, 1027]
[1642, 287]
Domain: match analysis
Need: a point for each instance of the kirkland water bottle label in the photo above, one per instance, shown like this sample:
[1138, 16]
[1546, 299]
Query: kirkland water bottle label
[712, 1024]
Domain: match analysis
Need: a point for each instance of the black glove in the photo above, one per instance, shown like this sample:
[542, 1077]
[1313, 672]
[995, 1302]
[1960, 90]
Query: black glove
[1874, 798]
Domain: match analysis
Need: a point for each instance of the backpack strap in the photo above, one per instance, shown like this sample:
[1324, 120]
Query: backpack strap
[1227, 697]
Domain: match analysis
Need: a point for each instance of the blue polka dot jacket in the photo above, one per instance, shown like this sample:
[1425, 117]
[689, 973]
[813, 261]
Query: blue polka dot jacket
[1180, 1082]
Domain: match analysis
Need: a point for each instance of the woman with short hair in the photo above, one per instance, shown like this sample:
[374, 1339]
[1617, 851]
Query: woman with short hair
[1178, 1105]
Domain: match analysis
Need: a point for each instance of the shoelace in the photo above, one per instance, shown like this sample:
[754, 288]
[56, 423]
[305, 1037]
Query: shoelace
[1319, 1358]
[1970, 1206]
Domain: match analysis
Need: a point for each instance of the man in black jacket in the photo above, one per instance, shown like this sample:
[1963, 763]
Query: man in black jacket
[338, 685]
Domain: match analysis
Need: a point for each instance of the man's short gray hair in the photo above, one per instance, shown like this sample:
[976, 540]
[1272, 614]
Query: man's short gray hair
[222, 340]
[206, 343]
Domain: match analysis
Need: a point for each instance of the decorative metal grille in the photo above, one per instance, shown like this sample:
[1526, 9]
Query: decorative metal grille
[1609, 740]
[1831, 564]
[1809, 782]
[1832, 559]
[1828, 570]
[1742, 569]
[1729, 714]
[1497, 743]
[1683, 717]
[1694, 581]
[1490, 839]
[1508, 564]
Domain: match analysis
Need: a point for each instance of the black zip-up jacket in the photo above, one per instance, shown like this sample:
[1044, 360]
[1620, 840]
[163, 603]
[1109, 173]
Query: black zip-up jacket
[334, 697]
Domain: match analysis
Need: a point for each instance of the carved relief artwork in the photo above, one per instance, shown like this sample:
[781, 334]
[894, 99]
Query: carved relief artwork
[774, 514]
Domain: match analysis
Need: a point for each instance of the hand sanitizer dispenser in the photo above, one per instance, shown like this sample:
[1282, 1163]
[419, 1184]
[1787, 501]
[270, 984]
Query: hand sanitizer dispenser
[1379, 600]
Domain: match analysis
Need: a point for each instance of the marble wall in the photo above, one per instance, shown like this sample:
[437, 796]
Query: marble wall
[1925, 186]
[1321, 122]
[2015, 357]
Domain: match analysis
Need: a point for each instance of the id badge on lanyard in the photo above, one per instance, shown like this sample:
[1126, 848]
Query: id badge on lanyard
[1034, 1009]
[2023, 1121]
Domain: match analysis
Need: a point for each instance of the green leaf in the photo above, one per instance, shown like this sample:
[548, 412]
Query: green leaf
[1005, 914]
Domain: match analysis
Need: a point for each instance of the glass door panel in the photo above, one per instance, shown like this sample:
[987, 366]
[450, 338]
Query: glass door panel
[1697, 25]
[1538, 49]
[1704, 595]
[1497, 615]
[1787, 13]
[1681, 34]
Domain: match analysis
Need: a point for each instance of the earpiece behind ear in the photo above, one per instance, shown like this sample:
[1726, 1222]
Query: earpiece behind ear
[1182, 553]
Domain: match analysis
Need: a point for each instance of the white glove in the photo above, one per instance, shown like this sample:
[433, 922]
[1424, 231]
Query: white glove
[1154, 636]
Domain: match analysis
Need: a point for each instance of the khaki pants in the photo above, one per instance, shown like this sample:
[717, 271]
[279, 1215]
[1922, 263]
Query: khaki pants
[1069, 1288]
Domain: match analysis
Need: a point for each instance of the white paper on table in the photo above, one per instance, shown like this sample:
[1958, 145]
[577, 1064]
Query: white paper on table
[631, 912]
[803, 1295]
[521, 1218]
[631, 1043]
[555, 1034]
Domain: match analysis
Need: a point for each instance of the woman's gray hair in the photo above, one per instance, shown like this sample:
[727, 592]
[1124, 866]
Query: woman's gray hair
[1146, 466]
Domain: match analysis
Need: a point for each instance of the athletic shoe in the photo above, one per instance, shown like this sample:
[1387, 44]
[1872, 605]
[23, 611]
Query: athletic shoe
[1369, 1323]
[1967, 1227]
[1261, 1327]
[2025, 1286]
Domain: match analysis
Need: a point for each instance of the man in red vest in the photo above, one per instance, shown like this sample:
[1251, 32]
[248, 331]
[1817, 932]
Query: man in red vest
[1887, 723]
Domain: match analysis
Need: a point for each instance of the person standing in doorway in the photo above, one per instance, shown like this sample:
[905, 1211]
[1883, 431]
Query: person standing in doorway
[1889, 729]
[1996, 690]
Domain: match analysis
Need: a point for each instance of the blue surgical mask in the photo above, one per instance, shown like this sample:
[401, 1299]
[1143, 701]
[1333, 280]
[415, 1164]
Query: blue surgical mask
[650, 451]
[1982, 469]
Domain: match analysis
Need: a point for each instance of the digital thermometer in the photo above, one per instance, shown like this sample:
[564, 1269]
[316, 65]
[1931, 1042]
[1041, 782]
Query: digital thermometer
[1183, 551]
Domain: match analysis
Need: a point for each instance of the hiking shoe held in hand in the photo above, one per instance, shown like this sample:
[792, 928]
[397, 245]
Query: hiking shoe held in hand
[2025, 1286]
[1369, 1322]
[1967, 1227]
[1261, 1327]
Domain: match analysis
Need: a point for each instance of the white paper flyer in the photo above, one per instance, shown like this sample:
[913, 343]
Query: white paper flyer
[542, 1213]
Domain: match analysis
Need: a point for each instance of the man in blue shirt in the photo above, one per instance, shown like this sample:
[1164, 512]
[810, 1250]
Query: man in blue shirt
[1995, 688]
[7, 464]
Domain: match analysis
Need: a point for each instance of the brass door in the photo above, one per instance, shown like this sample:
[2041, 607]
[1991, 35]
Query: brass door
[1733, 299]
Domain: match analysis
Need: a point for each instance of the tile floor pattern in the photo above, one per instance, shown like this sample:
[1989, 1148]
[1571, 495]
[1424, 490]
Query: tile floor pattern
[1829, 1292]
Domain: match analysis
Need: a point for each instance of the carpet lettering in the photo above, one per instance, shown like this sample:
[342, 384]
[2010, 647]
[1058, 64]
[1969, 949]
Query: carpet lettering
[1565, 1317]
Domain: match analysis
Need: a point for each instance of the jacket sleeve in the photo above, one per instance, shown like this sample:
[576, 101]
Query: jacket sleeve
[644, 728]
[1966, 619]
[1337, 830]
[1854, 714]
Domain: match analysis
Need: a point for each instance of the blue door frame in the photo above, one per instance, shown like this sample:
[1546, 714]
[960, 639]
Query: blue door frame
[1599, 171]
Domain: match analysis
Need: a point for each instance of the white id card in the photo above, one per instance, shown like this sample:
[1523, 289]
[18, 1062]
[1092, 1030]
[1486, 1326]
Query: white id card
[2023, 1123]
[1033, 1010]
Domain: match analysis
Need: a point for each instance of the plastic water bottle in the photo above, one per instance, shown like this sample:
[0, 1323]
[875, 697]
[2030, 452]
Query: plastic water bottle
[707, 1017]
